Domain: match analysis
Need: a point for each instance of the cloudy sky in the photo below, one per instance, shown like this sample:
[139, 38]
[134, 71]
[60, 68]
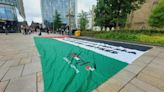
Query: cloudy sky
[33, 12]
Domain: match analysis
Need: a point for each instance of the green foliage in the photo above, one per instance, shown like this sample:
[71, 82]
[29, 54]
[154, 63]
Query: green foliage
[157, 17]
[57, 21]
[102, 12]
[83, 20]
[114, 11]
[140, 36]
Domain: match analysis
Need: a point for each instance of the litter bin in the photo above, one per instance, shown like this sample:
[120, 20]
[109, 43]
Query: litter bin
[77, 33]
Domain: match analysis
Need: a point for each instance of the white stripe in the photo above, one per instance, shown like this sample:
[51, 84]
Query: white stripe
[121, 56]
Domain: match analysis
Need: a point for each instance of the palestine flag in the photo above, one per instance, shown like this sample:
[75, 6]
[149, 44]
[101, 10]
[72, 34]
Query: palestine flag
[74, 65]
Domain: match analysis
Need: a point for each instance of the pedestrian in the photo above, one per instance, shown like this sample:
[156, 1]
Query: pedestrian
[5, 30]
[22, 29]
[25, 30]
[40, 30]
[47, 30]
[29, 31]
[40, 33]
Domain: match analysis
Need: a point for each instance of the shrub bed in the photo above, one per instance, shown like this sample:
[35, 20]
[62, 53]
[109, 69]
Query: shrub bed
[153, 37]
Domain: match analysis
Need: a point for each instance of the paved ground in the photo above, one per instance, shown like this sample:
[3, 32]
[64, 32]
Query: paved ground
[20, 69]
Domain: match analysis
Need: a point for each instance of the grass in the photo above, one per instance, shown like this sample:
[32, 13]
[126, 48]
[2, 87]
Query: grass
[129, 36]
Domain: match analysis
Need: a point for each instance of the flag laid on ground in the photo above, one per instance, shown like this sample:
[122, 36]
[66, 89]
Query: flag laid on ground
[71, 65]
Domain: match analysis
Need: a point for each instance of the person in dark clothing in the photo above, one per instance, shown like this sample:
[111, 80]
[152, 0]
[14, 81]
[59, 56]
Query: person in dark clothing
[40, 31]
[25, 30]
[47, 30]
[5, 29]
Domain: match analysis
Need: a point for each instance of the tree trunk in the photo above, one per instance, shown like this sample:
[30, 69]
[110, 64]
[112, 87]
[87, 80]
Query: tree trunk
[105, 28]
[131, 19]
[117, 25]
[101, 28]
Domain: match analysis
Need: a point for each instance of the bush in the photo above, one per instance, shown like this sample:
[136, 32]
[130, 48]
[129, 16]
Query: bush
[157, 17]
[139, 36]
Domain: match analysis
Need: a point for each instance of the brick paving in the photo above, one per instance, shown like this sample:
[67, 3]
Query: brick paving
[20, 69]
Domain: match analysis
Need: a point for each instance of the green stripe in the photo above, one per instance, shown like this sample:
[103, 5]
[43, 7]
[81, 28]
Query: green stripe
[60, 77]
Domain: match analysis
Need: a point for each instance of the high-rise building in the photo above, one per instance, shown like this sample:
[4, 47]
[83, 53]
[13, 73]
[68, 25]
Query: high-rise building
[8, 16]
[48, 8]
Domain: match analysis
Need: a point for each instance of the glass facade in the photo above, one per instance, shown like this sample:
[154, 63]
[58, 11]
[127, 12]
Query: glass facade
[48, 8]
[8, 16]
[7, 10]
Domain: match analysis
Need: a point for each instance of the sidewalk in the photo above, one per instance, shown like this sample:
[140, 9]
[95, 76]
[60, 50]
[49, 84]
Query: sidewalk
[144, 75]
[20, 69]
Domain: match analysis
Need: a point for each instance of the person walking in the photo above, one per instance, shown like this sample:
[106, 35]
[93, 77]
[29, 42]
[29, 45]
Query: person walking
[5, 30]
[40, 30]
[47, 30]
[40, 33]
[25, 30]
[22, 29]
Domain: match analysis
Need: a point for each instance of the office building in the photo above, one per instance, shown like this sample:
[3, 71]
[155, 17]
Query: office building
[8, 16]
[48, 8]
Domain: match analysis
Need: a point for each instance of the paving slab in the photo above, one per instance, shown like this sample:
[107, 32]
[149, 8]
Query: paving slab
[154, 71]
[36, 59]
[145, 59]
[105, 88]
[161, 55]
[25, 60]
[4, 59]
[124, 76]
[153, 52]
[23, 54]
[151, 80]
[145, 86]
[159, 62]
[32, 68]
[3, 86]
[116, 82]
[24, 84]
[13, 72]
[1, 57]
[131, 88]
[134, 68]
[139, 63]
[1, 63]
[40, 83]
[113, 85]
[11, 63]
[3, 71]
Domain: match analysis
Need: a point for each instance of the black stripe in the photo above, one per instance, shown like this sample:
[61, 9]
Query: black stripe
[122, 44]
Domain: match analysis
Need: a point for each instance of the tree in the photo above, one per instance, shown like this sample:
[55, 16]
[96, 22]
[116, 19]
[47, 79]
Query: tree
[83, 20]
[115, 11]
[157, 17]
[101, 13]
[57, 21]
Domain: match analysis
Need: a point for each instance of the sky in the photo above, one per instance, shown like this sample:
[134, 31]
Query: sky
[33, 9]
